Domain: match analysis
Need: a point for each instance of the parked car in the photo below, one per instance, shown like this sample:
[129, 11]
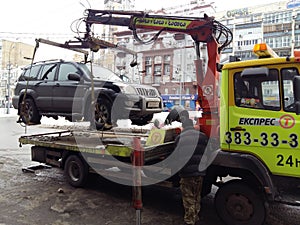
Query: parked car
[62, 88]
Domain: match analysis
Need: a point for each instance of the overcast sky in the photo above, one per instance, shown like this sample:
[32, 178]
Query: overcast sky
[56, 16]
[32, 18]
[221, 4]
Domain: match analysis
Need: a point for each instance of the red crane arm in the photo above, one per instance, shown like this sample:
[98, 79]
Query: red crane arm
[205, 29]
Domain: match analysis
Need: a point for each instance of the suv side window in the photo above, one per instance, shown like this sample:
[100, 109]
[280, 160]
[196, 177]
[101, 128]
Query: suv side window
[31, 73]
[48, 72]
[65, 69]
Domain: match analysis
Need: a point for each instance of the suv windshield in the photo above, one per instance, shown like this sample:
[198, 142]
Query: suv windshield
[100, 73]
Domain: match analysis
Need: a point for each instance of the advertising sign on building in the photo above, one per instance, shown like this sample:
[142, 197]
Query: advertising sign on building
[293, 4]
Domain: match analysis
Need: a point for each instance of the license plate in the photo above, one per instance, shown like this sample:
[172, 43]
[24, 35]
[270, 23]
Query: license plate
[153, 104]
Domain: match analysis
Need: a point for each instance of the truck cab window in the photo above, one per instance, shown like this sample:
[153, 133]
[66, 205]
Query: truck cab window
[260, 92]
[288, 75]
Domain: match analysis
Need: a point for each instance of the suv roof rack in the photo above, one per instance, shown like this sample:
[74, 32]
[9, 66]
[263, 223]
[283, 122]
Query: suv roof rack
[49, 60]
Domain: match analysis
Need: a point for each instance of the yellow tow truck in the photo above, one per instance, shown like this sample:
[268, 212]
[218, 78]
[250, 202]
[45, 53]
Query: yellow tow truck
[254, 128]
[259, 136]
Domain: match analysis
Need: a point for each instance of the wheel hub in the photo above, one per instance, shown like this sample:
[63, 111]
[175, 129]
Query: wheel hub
[239, 207]
[74, 171]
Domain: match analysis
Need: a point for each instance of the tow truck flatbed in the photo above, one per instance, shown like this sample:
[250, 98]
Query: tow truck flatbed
[104, 143]
[103, 150]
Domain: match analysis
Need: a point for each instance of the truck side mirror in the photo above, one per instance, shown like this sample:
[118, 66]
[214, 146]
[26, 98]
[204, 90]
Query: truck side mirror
[296, 85]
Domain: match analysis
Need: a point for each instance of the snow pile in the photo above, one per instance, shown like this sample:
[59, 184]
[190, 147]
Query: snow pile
[12, 112]
[62, 123]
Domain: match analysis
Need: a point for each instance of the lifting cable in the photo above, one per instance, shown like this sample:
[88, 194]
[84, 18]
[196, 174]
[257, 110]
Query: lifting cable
[23, 105]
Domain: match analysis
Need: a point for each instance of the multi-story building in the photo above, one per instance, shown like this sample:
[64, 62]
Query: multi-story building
[168, 63]
[14, 55]
[107, 57]
[276, 24]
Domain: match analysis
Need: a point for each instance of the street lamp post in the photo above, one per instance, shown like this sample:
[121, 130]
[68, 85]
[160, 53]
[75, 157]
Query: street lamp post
[8, 90]
[8, 79]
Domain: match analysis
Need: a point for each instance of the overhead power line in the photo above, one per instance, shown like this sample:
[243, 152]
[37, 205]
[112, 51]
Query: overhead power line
[23, 35]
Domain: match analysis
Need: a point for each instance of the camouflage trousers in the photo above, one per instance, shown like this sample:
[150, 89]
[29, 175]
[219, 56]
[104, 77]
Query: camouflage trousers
[191, 197]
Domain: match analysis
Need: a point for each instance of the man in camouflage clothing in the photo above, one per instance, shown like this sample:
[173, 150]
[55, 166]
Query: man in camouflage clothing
[190, 146]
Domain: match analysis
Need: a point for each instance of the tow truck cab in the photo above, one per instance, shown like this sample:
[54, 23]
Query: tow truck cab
[260, 112]
[259, 159]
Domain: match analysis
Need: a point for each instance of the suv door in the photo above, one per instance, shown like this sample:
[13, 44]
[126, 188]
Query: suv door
[67, 91]
[44, 87]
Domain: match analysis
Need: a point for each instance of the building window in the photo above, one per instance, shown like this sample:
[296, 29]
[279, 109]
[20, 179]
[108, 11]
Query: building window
[286, 41]
[187, 91]
[157, 70]
[167, 58]
[190, 67]
[148, 70]
[148, 60]
[157, 59]
[167, 69]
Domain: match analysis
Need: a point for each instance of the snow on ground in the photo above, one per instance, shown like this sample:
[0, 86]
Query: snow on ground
[12, 112]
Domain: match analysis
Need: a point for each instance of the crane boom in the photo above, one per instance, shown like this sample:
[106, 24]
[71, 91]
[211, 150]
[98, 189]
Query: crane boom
[202, 29]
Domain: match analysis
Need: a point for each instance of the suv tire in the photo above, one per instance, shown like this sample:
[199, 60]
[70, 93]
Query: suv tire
[101, 115]
[29, 113]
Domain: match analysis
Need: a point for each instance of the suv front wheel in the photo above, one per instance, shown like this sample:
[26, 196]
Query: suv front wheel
[29, 113]
[101, 118]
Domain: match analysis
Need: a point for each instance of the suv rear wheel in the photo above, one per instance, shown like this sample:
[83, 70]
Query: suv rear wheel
[29, 113]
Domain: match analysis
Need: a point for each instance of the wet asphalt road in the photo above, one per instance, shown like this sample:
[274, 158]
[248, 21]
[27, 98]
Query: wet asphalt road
[44, 197]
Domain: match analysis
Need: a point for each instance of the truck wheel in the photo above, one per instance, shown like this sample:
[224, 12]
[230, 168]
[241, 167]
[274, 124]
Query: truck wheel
[238, 204]
[29, 113]
[76, 171]
[102, 115]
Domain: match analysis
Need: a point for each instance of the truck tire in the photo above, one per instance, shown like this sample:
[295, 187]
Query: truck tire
[238, 204]
[76, 171]
[29, 113]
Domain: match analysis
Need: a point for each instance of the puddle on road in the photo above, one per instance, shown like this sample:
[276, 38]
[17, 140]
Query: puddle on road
[51, 173]
[8, 162]
[10, 171]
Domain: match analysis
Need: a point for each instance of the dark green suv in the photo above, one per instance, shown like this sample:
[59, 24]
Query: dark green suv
[60, 88]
